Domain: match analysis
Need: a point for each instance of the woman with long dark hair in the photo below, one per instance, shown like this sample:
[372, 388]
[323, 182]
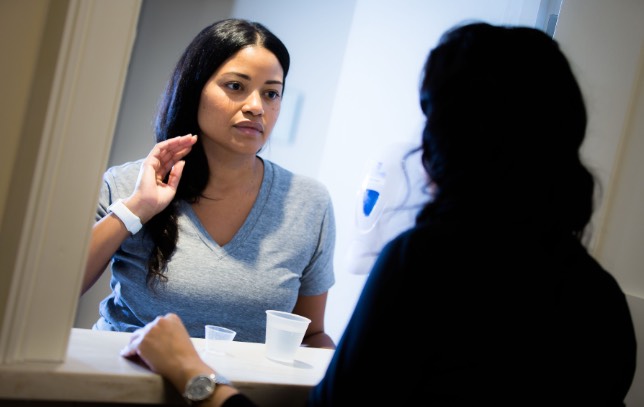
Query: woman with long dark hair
[203, 227]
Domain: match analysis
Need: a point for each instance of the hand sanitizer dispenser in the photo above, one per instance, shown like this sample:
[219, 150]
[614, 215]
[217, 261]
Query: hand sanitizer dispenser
[393, 190]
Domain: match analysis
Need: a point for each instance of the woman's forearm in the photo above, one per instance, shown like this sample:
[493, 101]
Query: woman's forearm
[107, 235]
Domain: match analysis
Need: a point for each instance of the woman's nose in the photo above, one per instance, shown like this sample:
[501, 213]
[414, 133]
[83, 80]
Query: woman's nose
[253, 104]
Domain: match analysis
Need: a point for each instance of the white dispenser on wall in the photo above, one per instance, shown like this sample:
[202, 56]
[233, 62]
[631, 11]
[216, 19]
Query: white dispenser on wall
[392, 191]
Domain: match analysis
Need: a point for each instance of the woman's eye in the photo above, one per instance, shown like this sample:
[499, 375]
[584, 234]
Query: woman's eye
[271, 94]
[234, 86]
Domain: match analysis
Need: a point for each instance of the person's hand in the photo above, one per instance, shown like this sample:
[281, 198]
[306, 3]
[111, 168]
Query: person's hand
[151, 194]
[165, 347]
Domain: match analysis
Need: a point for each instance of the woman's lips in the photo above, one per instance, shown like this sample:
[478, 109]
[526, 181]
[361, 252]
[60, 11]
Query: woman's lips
[250, 127]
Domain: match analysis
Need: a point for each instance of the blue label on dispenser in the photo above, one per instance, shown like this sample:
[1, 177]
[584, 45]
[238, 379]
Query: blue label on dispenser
[369, 201]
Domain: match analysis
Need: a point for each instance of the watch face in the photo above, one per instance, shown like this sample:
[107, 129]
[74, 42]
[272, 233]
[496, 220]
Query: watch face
[199, 388]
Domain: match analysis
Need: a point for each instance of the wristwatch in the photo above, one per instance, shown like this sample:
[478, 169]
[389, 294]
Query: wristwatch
[202, 387]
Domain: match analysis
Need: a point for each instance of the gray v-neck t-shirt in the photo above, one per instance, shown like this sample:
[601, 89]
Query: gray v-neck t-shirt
[284, 249]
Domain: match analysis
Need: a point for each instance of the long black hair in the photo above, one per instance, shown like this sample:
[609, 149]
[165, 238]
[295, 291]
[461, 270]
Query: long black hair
[505, 120]
[178, 112]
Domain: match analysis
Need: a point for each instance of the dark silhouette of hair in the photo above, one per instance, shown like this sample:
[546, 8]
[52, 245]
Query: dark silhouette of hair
[177, 116]
[505, 119]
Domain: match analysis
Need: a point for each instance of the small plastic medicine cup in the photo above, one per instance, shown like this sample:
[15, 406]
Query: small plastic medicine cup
[218, 339]
[284, 334]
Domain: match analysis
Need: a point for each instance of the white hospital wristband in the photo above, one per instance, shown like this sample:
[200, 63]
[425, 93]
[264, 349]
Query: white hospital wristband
[131, 221]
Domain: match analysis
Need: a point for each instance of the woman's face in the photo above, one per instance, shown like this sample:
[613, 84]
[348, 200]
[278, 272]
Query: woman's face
[240, 102]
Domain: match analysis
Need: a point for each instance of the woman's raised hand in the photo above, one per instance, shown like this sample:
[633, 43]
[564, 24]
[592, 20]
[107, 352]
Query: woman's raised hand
[152, 194]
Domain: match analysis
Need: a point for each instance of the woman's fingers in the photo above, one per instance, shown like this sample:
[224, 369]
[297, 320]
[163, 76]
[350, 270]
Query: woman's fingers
[152, 192]
[169, 152]
[175, 174]
[175, 148]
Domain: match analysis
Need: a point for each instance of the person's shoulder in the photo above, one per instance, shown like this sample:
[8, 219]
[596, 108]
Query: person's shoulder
[297, 181]
[122, 178]
[587, 272]
[125, 169]
[423, 238]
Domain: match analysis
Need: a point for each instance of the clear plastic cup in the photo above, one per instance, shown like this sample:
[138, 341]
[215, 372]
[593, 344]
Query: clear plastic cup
[218, 339]
[284, 334]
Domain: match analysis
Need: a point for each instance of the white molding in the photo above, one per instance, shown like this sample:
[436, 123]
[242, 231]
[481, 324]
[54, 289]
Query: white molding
[86, 93]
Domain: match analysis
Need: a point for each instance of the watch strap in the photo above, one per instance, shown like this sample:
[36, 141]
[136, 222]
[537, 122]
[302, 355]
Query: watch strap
[130, 220]
[220, 379]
